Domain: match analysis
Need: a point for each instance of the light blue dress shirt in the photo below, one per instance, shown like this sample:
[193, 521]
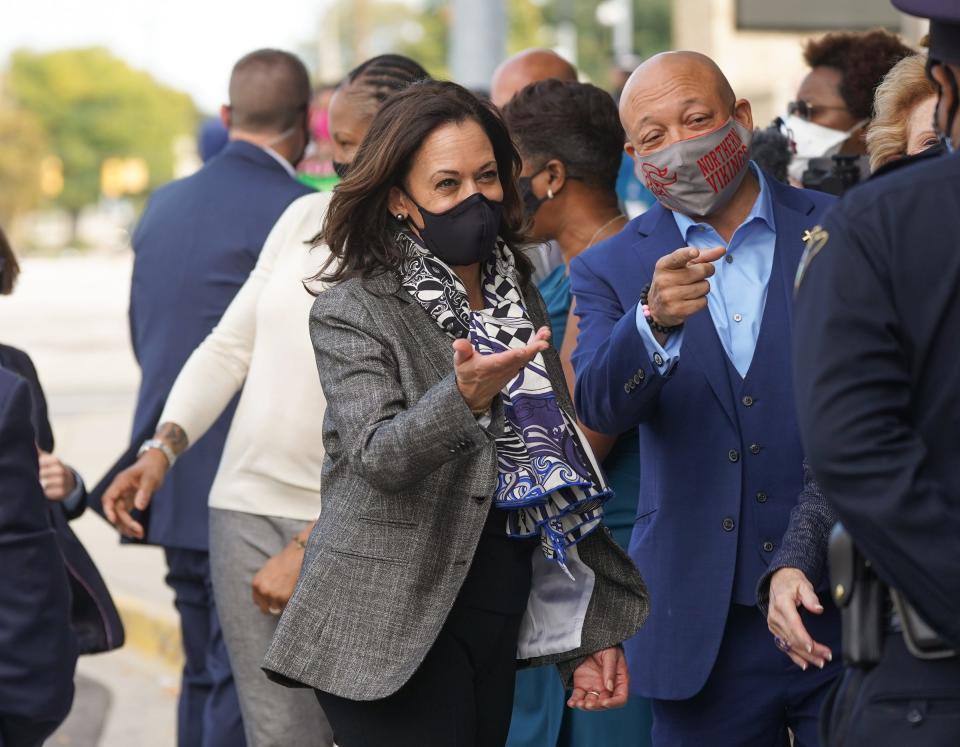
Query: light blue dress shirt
[738, 289]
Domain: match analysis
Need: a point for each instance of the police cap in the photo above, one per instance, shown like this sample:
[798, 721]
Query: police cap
[944, 18]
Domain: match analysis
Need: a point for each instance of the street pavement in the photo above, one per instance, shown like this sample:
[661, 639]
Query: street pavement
[69, 314]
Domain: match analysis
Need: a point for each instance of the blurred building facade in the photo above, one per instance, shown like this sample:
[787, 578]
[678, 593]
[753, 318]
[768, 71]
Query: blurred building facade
[765, 65]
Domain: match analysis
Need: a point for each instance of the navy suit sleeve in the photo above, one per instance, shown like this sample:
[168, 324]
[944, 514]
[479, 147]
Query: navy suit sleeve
[853, 387]
[37, 648]
[618, 386]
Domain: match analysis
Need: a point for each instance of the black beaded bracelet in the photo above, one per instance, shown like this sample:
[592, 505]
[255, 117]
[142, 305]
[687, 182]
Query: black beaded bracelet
[654, 325]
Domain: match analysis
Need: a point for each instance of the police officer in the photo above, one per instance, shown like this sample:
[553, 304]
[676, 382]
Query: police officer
[877, 380]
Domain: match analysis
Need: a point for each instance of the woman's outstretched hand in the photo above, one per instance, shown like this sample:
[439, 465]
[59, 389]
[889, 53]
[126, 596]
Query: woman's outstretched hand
[480, 378]
[601, 681]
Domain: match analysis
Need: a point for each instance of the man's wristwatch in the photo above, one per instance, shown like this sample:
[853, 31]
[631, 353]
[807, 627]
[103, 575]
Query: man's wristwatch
[156, 443]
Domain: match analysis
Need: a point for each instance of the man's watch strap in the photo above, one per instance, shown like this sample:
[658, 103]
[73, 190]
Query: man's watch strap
[156, 443]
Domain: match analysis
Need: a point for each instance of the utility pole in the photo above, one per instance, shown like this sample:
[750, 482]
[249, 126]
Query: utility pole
[478, 32]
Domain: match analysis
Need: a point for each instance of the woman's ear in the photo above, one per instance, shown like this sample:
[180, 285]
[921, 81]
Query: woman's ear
[397, 204]
[556, 171]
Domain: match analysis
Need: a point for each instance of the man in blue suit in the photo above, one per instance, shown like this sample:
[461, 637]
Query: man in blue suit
[685, 334]
[194, 247]
[38, 650]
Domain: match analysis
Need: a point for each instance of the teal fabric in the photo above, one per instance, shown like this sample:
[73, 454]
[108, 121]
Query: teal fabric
[555, 289]
[540, 716]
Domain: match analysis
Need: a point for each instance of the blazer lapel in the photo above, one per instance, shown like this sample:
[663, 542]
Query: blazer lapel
[700, 341]
[792, 218]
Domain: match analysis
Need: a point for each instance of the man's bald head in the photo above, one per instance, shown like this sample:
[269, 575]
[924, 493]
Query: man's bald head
[676, 96]
[524, 68]
[689, 71]
[269, 92]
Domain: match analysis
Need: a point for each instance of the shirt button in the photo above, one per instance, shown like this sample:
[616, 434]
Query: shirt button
[761, 497]
[733, 455]
[728, 524]
[754, 448]
[658, 359]
[728, 259]
[747, 401]
[738, 317]
[768, 546]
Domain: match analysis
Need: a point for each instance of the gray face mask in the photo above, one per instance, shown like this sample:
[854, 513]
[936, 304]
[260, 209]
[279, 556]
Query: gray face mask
[698, 175]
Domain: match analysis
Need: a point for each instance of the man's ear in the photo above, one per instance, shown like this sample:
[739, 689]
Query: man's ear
[226, 115]
[945, 100]
[629, 149]
[743, 113]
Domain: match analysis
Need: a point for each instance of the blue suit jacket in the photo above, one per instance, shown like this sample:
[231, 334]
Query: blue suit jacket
[687, 424]
[37, 648]
[194, 247]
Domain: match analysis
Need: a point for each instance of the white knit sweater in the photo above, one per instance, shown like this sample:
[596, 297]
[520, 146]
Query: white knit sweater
[273, 456]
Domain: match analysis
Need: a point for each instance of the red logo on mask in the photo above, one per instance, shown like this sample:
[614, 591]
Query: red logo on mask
[656, 179]
[722, 164]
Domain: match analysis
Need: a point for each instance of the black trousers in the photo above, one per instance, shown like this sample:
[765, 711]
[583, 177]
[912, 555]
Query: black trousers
[900, 702]
[461, 696]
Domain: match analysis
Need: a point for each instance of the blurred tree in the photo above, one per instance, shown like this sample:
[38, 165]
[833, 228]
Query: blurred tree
[421, 32]
[651, 33]
[22, 148]
[93, 106]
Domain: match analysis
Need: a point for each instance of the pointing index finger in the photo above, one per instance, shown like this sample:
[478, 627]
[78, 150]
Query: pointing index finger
[708, 255]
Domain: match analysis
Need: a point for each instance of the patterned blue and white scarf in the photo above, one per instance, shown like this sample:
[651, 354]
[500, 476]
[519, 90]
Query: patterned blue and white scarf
[549, 482]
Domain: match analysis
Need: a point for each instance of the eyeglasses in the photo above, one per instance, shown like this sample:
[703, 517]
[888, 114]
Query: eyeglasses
[806, 110]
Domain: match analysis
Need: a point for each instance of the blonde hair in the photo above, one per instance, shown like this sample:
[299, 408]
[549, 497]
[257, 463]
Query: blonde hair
[905, 86]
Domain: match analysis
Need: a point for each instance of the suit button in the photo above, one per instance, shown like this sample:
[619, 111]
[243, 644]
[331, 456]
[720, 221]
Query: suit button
[628, 387]
[637, 378]
[768, 546]
[761, 497]
[641, 374]
[747, 401]
[480, 498]
[728, 524]
[733, 455]
[754, 448]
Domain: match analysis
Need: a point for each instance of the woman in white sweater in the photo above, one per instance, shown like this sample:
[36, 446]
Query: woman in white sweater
[266, 496]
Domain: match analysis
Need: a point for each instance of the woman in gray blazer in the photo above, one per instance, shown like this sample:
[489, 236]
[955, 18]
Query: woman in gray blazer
[461, 529]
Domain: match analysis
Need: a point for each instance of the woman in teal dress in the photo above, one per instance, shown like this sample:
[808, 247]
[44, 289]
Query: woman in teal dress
[571, 141]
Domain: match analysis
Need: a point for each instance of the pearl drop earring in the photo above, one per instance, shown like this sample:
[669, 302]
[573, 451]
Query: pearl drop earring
[549, 193]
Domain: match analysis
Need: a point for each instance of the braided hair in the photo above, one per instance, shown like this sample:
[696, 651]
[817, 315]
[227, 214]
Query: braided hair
[373, 81]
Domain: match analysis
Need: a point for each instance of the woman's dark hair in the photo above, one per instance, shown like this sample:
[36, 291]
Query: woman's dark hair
[863, 60]
[575, 123]
[359, 228]
[372, 82]
[9, 269]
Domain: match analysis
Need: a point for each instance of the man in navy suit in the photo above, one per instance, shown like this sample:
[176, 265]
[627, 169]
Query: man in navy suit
[685, 334]
[194, 247]
[37, 648]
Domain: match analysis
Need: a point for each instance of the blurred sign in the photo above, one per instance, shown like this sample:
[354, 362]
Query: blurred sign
[123, 176]
[816, 15]
[51, 176]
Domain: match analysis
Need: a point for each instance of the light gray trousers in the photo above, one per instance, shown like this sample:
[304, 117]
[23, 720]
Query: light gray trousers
[273, 715]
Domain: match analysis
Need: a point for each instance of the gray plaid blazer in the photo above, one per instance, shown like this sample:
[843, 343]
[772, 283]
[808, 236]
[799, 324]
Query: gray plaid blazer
[407, 486]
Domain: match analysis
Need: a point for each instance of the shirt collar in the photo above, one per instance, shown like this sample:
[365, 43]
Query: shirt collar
[762, 208]
[279, 159]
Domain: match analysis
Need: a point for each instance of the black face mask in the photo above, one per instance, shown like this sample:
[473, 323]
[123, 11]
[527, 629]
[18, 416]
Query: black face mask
[465, 234]
[531, 203]
[341, 168]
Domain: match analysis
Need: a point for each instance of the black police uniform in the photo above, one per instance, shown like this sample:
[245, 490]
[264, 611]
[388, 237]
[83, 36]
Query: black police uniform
[877, 381]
